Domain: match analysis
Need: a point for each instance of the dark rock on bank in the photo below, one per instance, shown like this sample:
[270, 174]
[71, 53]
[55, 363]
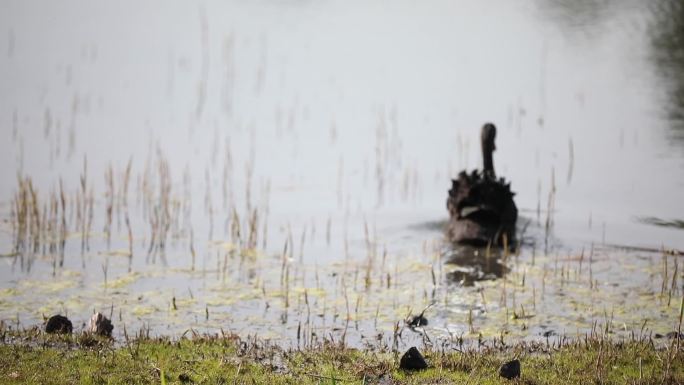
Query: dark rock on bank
[510, 370]
[58, 324]
[413, 360]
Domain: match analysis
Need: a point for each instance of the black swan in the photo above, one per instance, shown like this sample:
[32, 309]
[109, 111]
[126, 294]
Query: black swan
[481, 207]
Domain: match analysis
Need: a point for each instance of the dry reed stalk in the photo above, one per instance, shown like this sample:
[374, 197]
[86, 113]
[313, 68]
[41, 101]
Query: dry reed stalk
[252, 240]
[109, 206]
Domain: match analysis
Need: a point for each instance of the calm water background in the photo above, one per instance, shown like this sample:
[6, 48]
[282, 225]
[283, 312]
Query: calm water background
[356, 113]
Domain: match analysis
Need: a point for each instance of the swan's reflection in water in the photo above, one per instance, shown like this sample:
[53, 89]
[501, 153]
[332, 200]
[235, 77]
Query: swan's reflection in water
[466, 265]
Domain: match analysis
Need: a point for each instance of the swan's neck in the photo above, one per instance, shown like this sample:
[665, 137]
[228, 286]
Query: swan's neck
[488, 159]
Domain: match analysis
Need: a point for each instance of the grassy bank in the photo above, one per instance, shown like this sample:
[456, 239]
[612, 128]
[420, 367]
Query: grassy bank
[36, 358]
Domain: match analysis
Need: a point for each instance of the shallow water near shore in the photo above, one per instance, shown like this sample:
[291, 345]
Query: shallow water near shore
[281, 168]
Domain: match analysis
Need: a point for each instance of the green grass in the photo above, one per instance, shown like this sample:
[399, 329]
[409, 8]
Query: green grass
[34, 358]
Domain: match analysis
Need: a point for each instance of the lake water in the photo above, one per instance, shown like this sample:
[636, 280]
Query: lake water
[327, 133]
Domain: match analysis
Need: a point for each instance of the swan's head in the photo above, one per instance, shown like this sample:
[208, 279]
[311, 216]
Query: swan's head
[488, 136]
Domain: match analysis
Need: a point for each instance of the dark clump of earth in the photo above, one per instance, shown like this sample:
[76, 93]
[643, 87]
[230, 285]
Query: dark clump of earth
[673, 335]
[58, 324]
[417, 321]
[412, 360]
[670, 335]
[101, 325]
[510, 370]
